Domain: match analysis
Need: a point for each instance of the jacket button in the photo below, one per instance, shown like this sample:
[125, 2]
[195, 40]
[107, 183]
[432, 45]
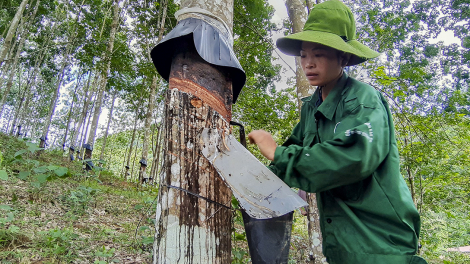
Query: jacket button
[328, 220]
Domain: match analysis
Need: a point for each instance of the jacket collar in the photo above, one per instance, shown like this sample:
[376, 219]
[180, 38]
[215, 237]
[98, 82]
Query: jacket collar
[328, 107]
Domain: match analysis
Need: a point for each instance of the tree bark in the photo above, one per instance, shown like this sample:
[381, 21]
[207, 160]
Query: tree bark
[110, 119]
[11, 31]
[298, 16]
[196, 229]
[104, 77]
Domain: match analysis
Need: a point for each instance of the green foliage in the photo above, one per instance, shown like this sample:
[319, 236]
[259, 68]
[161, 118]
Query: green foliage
[77, 201]
[59, 242]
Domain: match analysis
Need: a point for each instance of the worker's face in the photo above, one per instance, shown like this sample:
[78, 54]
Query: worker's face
[321, 64]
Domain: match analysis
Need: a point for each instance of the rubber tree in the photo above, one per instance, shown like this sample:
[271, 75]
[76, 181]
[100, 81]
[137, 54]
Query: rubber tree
[193, 215]
[151, 104]
[297, 16]
[11, 31]
[65, 64]
[103, 80]
[110, 119]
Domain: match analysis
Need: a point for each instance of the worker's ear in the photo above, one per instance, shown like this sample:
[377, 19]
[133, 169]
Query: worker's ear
[345, 57]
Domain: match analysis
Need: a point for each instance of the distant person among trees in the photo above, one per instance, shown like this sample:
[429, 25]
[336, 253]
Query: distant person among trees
[344, 148]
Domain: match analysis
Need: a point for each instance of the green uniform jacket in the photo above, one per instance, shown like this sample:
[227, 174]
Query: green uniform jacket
[345, 151]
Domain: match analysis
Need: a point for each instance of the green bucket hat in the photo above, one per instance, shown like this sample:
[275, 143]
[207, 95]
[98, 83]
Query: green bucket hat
[332, 24]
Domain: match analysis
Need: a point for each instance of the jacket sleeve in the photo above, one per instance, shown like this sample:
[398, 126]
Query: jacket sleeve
[294, 139]
[360, 143]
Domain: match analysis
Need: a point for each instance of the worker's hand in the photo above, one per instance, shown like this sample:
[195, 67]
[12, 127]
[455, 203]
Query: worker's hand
[265, 142]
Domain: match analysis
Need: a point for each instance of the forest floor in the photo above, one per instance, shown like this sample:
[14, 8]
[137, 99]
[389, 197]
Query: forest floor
[51, 211]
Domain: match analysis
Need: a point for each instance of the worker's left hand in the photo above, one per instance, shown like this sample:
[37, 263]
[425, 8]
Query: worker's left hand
[265, 142]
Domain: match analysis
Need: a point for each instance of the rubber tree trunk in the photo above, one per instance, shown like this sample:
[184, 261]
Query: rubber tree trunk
[156, 155]
[7, 89]
[193, 218]
[103, 79]
[11, 31]
[53, 104]
[298, 16]
[151, 105]
[110, 119]
[148, 121]
[81, 121]
[18, 52]
[131, 146]
[69, 118]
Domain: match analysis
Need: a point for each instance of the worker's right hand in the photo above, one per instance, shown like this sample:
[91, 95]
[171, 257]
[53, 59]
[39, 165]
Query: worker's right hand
[265, 142]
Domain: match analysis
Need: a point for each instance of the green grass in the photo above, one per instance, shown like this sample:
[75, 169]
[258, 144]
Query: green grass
[73, 218]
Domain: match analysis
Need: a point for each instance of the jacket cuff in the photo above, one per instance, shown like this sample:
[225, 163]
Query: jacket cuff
[279, 161]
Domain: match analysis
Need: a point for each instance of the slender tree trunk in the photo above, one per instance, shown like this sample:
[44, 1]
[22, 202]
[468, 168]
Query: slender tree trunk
[298, 16]
[132, 141]
[191, 229]
[153, 88]
[135, 155]
[53, 104]
[110, 118]
[11, 31]
[70, 115]
[85, 132]
[104, 78]
[37, 63]
[81, 121]
[148, 121]
[6, 92]
[156, 155]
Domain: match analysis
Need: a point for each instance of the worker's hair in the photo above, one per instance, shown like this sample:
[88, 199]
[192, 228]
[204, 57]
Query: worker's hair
[343, 57]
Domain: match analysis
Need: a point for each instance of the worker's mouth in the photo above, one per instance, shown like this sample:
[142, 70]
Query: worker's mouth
[311, 76]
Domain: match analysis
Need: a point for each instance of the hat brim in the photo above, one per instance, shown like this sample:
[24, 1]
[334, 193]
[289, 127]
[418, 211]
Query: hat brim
[291, 45]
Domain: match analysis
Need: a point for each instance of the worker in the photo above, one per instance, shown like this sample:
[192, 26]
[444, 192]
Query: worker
[344, 148]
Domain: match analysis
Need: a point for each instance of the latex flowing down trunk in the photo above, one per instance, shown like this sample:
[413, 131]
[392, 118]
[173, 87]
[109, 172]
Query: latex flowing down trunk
[11, 31]
[103, 79]
[193, 218]
[298, 16]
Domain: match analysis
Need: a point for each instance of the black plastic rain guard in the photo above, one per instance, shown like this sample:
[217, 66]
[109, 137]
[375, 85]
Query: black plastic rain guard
[210, 44]
[268, 239]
